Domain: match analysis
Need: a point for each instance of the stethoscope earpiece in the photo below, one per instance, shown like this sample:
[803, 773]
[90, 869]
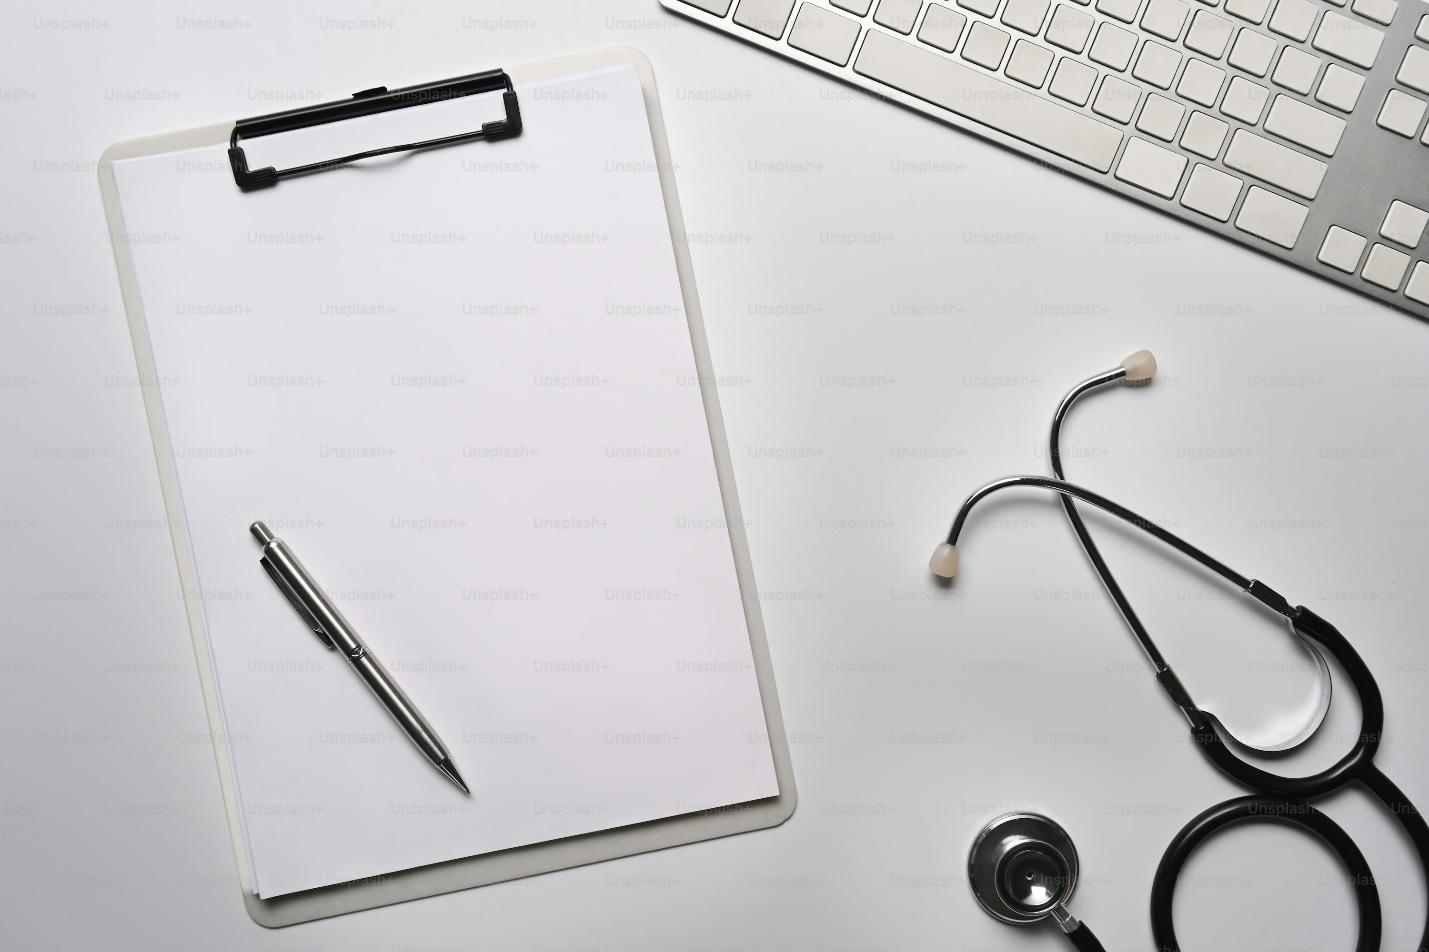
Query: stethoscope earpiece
[944, 562]
[1140, 367]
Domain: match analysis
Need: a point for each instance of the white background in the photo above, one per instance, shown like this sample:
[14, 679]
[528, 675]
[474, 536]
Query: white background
[894, 309]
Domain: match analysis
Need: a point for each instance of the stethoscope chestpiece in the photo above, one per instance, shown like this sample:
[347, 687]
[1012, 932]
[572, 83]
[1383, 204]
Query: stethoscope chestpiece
[1023, 868]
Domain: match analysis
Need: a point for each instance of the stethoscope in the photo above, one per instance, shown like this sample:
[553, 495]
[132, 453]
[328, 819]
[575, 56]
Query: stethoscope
[1023, 867]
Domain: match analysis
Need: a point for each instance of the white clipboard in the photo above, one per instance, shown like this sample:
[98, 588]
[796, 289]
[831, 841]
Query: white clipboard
[496, 866]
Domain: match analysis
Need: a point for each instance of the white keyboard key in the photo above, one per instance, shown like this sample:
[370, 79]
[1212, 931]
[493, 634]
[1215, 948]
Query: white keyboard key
[1116, 99]
[824, 33]
[857, 7]
[986, 7]
[899, 14]
[1244, 100]
[1404, 223]
[1340, 88]
[1385, 267]
[985, 45]
[1209, 34]
[1124, 10]
[1418, 287]
[1069, 28]
[1348, 39]
[1025, 15]
[1113, 46]
[1073, 81]
[1274, 163]
[1151, 167]
[1401, 113]
[1423, 32]
[1029, 64]
[764, 16]
[1304, 125]
[1201, 82]
[1018, 113]
[1295, 19]
[1252, 10]
[1252, 52]
[1165, 18]
[1342, 249]
[1380, 11]
[1297, 70]
[1272, 217]
[1204, 135]
[718, 7]
[1157, 64]
[1211, 192]
[1160, 117]
[1414, 71]
[942, 27]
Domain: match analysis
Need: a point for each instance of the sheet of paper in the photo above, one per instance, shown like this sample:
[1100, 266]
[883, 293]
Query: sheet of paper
[461, 385]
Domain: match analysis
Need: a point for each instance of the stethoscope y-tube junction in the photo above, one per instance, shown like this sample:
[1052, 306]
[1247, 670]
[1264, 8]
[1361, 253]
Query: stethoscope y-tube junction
[1274, 797]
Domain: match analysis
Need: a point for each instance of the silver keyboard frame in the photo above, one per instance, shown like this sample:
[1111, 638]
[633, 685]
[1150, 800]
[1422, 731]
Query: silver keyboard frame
[1370, 159]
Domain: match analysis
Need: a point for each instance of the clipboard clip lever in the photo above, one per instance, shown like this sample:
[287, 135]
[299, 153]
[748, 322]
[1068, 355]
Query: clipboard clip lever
[371, 102]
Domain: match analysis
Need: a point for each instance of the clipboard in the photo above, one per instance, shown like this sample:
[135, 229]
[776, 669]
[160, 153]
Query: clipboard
[496, 866]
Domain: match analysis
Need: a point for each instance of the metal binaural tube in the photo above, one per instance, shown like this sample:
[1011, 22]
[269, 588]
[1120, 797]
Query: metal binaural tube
[1079, 525]
[1101, 502]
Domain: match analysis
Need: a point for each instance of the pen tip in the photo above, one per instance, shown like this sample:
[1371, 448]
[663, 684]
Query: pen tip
[447, 767]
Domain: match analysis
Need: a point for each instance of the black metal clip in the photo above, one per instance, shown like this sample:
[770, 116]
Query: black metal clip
[371, 102]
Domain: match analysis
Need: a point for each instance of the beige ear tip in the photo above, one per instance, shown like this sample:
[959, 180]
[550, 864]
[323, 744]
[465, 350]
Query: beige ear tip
[945, 560]
[1140, 366]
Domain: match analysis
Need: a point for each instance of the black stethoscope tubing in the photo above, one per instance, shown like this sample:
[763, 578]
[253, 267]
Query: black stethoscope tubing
[1261, 808]
[1276, 798]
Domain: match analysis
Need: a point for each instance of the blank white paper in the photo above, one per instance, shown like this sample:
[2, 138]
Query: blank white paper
[460, 385]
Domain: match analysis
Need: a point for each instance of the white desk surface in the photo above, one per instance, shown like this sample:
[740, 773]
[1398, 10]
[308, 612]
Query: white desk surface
[893, 309]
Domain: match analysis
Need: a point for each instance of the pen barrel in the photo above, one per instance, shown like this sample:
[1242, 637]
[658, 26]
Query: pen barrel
[291, 572]
[370, 670]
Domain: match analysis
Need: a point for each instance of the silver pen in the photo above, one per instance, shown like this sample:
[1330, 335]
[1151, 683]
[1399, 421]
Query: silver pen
[322, 616]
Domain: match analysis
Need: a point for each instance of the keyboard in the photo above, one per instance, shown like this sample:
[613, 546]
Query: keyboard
[1296, 127]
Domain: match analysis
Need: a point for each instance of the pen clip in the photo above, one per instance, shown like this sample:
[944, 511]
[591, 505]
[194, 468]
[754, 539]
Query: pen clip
[308, 617]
